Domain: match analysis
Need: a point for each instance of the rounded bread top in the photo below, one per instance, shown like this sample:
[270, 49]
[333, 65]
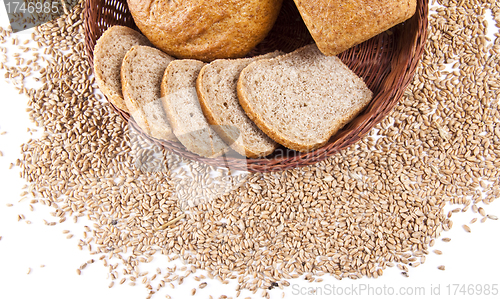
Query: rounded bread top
[205, 30]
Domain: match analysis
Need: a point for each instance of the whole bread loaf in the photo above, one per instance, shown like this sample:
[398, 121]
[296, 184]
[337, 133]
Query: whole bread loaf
[302, 98]
[141, 75]
[202, 29]
[109, 52]
[341, 24]
[216, 87]
[180, 101]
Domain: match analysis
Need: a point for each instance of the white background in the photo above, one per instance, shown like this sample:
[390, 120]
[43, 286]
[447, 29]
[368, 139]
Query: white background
[470, 258]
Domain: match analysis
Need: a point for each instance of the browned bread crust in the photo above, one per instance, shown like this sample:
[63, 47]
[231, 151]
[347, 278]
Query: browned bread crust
[341, 24]
[205, 30]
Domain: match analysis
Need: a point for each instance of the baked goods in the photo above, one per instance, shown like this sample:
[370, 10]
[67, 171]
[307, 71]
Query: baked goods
[216, 87]
[109, 51]
[205, 30]
[141, 74]
[302, 98]
[341, 24]
[180, 101]
[298, 100]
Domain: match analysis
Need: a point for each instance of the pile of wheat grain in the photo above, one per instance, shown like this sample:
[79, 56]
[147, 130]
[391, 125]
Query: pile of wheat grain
[375, 205]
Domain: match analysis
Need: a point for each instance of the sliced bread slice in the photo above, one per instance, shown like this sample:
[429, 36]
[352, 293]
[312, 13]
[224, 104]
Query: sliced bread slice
[180, 101]
[109, 51]
[216, 87]
[141, 74]
[302, 98]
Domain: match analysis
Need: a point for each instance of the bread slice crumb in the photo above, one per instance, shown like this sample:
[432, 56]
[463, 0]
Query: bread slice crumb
[302, 98]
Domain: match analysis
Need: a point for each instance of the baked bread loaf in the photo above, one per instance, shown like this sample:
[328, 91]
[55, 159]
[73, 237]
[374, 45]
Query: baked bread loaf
[341, 24]
[216, 87]
[302, 98]
[109, 51]
[141, 74]
[205, 30]
[180, 101]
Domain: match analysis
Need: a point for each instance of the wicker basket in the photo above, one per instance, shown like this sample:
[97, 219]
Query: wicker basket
[386, 62]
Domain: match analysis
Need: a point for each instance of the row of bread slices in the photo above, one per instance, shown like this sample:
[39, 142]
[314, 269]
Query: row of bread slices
[298, 100]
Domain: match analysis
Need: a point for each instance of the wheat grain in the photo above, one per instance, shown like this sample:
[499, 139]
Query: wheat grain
[492, 217]
[438, 145]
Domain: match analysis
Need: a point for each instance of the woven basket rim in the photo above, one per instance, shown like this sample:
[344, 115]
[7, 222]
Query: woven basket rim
[398, 73]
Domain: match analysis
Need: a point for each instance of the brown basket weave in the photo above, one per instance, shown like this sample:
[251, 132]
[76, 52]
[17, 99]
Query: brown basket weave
[386, 62]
